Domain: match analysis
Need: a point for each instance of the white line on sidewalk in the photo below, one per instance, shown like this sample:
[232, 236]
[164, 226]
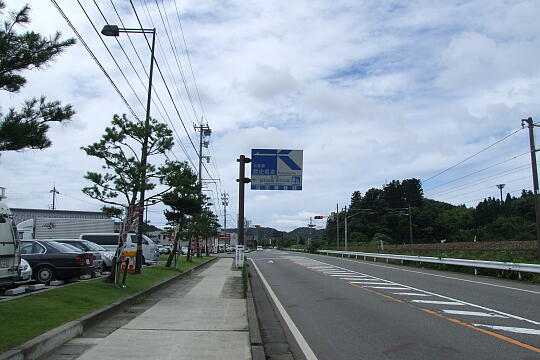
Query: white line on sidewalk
[302, 343]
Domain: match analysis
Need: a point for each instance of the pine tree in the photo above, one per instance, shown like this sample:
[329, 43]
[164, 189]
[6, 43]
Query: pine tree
[27, 127]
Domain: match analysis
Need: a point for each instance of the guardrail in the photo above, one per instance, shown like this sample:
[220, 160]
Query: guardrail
[499, 265]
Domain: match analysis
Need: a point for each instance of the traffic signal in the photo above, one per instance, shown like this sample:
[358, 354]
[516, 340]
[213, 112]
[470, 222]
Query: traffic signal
[257, 226]
[319, 217]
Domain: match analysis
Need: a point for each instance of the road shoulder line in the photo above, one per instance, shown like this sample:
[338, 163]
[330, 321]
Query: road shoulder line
[301, 341]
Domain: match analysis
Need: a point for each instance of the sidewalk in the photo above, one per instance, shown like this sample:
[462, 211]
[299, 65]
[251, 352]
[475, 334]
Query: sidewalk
[207, 322]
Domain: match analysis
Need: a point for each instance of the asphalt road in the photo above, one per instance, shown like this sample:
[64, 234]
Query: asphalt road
[351, 309]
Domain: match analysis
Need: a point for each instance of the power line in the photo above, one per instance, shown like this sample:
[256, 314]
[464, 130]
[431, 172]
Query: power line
[161, 48]
[184, 150]
[173, 47]
[509, 192]
[81, 39]
[491, 186]
[470, 157]
[504, 173]
[110, 53]
[189, 59]
[164, 81]
[478, 171]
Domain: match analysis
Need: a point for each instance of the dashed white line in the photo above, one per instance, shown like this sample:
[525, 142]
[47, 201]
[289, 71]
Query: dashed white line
[456, 300]
[473, 313]
[437, 302]
[386, 287]
[410, 294]
[511, 329]
[436, 275]
[371, 283]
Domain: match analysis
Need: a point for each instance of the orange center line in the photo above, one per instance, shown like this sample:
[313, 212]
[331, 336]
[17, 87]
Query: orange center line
[455, 321]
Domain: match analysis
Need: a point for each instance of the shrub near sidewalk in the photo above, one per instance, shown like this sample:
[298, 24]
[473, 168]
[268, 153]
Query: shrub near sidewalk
[30, 316]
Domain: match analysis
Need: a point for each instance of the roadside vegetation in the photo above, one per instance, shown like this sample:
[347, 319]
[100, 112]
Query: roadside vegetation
[383, 215]
[41, 312]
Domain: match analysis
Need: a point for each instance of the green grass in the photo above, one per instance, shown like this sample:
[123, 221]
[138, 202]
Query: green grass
[27, 317]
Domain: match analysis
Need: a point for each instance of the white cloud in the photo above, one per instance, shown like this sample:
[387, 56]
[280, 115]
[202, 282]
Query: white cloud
[370, 91]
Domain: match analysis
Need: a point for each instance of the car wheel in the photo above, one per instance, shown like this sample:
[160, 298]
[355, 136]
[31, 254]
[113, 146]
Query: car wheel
[45, 274]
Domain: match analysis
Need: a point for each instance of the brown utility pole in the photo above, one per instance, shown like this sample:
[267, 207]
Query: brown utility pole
[242, 180]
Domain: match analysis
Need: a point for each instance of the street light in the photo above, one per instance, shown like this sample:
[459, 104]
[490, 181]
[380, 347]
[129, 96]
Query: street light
[114, 30]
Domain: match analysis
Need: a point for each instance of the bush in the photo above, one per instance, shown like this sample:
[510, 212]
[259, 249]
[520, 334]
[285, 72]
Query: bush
[378, 237]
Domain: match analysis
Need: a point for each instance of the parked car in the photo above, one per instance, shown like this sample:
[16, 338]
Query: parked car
[259, 247]
[164, 249]
[25, 271]
[110, 242]
[51, 260]
[102, 257]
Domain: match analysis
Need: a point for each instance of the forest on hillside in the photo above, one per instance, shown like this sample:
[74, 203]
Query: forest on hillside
[383, 214]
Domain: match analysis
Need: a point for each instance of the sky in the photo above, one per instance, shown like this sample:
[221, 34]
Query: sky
[371, 91]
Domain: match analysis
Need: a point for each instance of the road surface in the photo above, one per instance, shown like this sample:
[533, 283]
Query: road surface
[350, 309]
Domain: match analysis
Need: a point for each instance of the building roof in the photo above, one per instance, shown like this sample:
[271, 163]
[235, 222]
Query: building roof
[22, 214]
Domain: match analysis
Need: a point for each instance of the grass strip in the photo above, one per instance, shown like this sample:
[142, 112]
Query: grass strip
[30, 316]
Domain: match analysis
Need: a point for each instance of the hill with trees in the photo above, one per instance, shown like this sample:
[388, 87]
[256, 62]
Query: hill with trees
[383, 214]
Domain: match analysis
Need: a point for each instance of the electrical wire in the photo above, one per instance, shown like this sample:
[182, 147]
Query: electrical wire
[89, 50]
[112, 56]
[482, 199]
[179, 141]
[472, 156]
[164, 81]
[478, 171]
[506, 172]
[189, 59]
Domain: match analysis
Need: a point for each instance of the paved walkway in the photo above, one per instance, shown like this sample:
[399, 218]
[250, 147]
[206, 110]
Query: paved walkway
[208, 321]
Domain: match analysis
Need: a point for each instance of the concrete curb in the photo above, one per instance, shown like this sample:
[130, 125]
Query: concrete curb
[255, 339]
[46, 342]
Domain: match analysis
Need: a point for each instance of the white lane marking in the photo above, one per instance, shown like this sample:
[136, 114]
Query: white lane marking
[436, 275]
[354, 278]
[387, 287]
[300, 340]
[456, 300]
[345, 274]
[473, 313]
[371, 283]
[437, 302]
[411, 294]
[511, 329]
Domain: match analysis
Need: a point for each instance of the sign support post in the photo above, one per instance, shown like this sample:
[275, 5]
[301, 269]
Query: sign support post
[242, 180]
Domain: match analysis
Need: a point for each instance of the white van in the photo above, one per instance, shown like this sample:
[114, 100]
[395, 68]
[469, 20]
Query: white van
[110, 242]
[10, 251]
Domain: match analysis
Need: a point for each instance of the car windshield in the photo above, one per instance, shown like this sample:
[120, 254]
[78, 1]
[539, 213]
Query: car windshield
[63, 247]
[94, 246]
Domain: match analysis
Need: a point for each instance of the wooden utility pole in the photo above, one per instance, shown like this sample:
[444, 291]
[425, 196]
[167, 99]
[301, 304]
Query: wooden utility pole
[242, 180]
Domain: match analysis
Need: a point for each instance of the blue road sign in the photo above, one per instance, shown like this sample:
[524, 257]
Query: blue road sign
[275, 169]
